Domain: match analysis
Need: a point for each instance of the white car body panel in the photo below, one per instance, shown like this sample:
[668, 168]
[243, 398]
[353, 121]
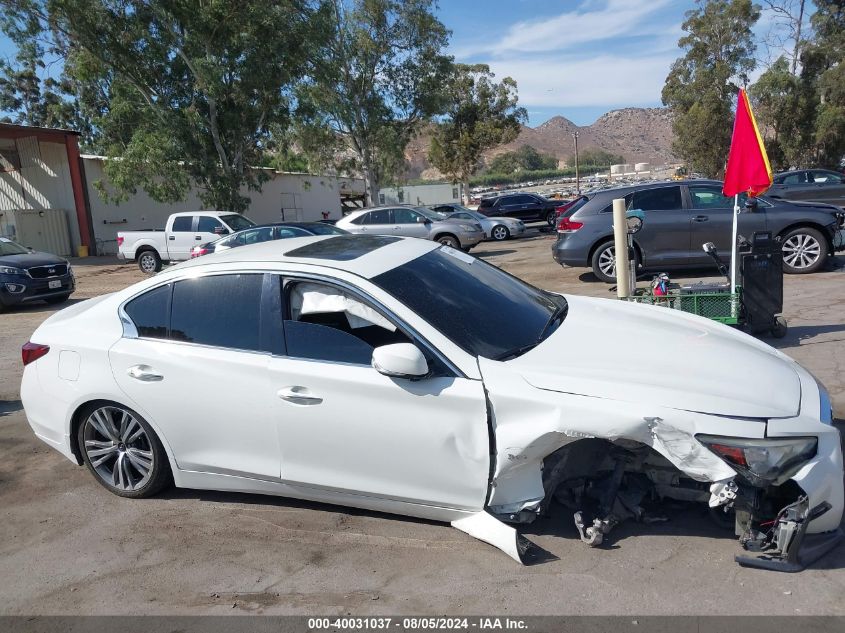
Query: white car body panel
[422, 448]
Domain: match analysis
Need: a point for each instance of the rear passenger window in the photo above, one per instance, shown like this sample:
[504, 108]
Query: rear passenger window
[182, 224]
[382, 216]
[662, 199]
[149, 312]
[220, 310]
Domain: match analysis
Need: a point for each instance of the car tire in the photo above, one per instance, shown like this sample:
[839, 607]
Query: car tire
[122, 451]
[805, 250]
[550, 218]
[449, 240]
[500, 233]
[149, 262]
[56, 300]
[603, 262]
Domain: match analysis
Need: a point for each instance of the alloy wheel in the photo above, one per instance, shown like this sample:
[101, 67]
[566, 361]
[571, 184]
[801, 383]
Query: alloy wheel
[148, 263]
[607, 261]
[500, 233]
[801, 251]
[118, 448]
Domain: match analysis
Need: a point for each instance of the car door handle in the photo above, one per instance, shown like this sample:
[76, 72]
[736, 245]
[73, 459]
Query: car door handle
[144, 373]
[198, 237]
[298, 395]
[701, 218]
[172, 237]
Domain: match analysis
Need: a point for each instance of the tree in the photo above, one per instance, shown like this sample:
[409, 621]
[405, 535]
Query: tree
[480, 114]
[381, 75]
[788, 32]
[702, 85]
[526, 158]
[827, 57]
[593, 157]
[188, 90]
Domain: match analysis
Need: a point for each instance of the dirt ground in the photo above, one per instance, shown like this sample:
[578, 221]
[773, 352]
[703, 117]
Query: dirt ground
[69, 547]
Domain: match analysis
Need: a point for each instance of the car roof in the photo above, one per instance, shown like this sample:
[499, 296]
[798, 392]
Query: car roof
[363, 255]
[625, 189]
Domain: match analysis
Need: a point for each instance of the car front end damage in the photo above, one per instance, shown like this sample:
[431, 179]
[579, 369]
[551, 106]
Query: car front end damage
[612, 457]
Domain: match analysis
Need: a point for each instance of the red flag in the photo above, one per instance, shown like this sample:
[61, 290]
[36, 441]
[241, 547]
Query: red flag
[748, 166]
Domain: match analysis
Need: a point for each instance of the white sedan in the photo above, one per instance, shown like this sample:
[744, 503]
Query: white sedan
[400, 375]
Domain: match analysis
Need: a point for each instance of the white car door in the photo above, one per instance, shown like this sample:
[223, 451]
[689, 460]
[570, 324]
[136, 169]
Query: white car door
[200, 376]
[180, 238]
[344, 426]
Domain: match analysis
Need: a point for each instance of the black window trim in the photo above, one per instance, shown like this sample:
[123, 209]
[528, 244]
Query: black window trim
[272, 302]
[412, 334]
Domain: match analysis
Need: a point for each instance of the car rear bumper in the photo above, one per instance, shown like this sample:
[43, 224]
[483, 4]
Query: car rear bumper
[19, 289]
[568, 255]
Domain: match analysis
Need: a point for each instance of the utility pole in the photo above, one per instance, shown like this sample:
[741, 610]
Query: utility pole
[577, 175]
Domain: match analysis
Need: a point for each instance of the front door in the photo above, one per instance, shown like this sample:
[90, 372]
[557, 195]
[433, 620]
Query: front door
[344, 426]
[180, 239]
[712, 221]
[197, 372]
[409, 223]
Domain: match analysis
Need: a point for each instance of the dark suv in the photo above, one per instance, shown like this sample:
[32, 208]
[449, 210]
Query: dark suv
[27, 276]
[527, 207]
[680, 217]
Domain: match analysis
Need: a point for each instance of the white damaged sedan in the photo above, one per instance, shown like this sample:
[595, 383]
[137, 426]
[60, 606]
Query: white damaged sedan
[399, 375]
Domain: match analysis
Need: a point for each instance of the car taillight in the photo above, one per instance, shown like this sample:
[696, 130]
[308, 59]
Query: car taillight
[32, 351]
[199, 251]
[565, 225]
[119, 241]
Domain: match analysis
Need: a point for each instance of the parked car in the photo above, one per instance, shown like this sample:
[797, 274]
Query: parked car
[403, 376]
[527, 207]
[498, 229]
[411, 221]
[681, 216]
[27, 275]
[811, 185]
[266, 233]
[150, 249]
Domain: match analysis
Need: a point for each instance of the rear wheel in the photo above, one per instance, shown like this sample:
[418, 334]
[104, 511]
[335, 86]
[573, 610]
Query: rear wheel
[603, 262]
[122, 451]
[149, 262]
[550, 218]
[804, 251]
[500, 233]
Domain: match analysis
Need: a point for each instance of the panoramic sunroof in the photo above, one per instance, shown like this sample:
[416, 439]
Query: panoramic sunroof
[342, 248]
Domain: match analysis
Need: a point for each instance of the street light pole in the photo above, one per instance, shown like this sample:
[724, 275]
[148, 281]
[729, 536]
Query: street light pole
[577, 175]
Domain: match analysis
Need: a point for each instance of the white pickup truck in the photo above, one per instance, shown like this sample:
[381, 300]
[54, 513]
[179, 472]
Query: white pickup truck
[174, 243]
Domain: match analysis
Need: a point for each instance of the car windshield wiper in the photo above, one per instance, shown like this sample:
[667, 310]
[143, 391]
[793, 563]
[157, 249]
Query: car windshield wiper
[558, 315]
[516, 351]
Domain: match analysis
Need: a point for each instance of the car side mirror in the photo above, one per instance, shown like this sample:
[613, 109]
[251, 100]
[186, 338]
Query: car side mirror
[221, 230]
[751, 204]
[709, 248]
[30, 249]
[400, 360]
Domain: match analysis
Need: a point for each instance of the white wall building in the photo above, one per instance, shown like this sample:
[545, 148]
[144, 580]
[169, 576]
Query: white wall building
[420, 194]
[48, 198]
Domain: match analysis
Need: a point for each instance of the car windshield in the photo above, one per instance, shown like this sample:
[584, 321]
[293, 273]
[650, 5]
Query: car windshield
[321, 228]
[479, 307]
[8, 247]
[237, 222]
[470, 212]
[431, 215]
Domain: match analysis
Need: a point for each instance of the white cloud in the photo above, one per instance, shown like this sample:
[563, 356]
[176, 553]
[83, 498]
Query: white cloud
[601, 81]
[572, 29]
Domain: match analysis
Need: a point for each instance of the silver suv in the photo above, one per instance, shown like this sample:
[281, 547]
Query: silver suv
[414, 222]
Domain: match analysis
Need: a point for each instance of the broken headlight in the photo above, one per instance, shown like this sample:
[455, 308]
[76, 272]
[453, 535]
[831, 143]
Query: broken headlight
[762, 462]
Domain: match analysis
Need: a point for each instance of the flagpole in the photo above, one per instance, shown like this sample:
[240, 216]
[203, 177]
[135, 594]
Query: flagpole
[734, 253]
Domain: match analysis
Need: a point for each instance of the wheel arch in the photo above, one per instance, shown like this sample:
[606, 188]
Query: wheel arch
[809, 224]
[609, 238]
[446, 234]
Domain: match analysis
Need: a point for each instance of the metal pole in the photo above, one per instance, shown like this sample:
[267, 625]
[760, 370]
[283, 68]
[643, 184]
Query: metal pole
[733, 244]
[577, 174]
[620, 239]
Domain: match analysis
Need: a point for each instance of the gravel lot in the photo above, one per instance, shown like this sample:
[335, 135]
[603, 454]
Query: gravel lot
[69, 547]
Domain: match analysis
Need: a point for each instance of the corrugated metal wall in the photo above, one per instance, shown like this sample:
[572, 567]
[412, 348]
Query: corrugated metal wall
[43, 229]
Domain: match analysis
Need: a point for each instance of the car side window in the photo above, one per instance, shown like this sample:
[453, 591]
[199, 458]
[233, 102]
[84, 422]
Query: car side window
[218, 310]
[150, 312]
[660, 199]
[462, 216]
[326, 323]
[709, 198]
[182, 224]
[380, 216]
[361, 219]
[825, 177]
[794, 179]
[208, 224]
[406, 216]
[255, 236]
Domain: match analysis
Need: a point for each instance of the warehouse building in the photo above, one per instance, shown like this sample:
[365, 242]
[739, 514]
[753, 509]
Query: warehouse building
[48, 198]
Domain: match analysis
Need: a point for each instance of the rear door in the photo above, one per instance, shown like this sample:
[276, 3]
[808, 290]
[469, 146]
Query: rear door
[180, 238]
[665, 235]
[511, 206]
[712, 221]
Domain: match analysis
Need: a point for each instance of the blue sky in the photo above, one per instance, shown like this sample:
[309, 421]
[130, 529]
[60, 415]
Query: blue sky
[575, 58]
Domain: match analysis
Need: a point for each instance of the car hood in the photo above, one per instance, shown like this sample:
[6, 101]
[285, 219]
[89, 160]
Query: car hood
[28, 260]
[629, 352]
[503, 220]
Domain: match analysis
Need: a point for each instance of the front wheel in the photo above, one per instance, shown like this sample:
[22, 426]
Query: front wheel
[449, 240]
[500, 233]
[804, 251]
[149, 262]
[122, 451]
